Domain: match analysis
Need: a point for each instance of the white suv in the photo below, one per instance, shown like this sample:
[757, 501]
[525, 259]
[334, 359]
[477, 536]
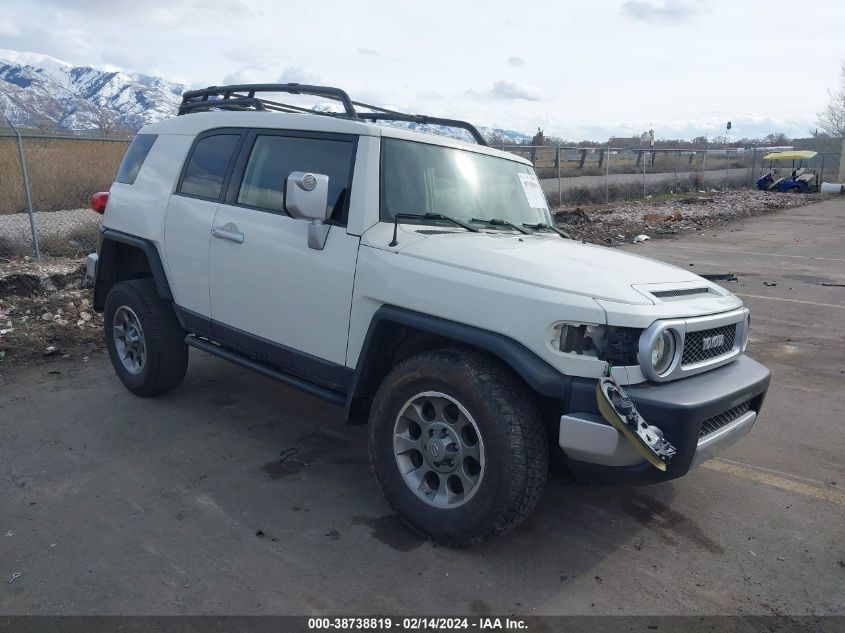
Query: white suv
[416, 282]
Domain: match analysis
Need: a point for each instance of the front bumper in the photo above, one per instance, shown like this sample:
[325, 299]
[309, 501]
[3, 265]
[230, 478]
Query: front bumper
[725, 402]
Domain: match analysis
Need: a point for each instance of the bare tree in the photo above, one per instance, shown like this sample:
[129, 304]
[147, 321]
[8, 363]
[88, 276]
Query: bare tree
[831, 120]
[496, 139]
[778, 139]
[106, 121]
[44, 125]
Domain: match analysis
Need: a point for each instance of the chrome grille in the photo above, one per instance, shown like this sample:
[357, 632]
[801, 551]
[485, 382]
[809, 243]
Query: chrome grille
[711, 425]
[683, 292]
[695, 343]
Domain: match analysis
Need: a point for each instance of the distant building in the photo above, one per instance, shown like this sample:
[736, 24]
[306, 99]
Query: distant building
[539, 139]
[646, 139]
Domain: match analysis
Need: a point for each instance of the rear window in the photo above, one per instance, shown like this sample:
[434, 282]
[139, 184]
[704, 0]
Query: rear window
[134, 158]
[207, 166]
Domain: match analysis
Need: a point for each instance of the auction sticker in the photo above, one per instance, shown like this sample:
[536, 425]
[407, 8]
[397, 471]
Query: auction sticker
[533, 191]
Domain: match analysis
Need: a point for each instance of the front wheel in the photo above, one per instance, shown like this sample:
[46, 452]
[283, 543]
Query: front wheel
[458, 446]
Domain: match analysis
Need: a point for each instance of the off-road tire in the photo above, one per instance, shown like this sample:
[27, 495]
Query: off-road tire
[511, 428]
[166, 353]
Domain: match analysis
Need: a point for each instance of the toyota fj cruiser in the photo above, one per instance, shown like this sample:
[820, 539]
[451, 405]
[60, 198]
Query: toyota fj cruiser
[419, 283]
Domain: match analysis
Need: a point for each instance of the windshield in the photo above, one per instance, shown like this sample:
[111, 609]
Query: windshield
[420, 178]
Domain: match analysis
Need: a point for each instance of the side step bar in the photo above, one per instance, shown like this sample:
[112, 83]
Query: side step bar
[328, 395]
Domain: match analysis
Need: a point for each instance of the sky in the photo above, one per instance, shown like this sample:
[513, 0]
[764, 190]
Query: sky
[580, 69]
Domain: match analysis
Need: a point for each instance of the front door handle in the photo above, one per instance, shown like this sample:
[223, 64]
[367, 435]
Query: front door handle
[228, 231]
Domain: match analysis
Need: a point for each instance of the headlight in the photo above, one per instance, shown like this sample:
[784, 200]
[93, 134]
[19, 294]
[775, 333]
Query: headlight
[617, 345]
[663, 352]
[578, 338]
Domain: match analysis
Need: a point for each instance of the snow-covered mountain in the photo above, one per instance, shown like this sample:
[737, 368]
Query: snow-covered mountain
[39, 91]
[494, 136]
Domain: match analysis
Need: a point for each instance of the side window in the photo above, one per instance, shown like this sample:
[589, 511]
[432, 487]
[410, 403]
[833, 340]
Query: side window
[273, 158]
[134, 158]
[206, 169]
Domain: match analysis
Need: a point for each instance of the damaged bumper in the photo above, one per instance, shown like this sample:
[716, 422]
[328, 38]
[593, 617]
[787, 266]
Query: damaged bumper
[701, 416]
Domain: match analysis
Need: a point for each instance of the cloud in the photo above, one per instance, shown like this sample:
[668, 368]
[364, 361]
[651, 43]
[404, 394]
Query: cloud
[8, 26]
[248, 75]
[161, 13]
[124, 59]
[67, 44]
[299, 75]
[367, 51]
[430, 95]
[666, 12]
[513, 90]
[249, 55]
[513, 60]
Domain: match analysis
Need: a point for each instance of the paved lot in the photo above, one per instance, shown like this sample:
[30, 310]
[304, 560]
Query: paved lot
[117, 505]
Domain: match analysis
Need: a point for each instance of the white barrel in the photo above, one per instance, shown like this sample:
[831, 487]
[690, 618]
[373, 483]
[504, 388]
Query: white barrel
[832, 187]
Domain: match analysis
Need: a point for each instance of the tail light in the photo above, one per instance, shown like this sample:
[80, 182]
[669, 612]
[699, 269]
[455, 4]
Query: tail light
[99, 201]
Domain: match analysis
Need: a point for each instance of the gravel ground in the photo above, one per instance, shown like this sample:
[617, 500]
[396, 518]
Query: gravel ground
[60, 233]
[656, 217]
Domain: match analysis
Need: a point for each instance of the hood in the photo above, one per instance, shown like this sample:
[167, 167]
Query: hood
[550, 262]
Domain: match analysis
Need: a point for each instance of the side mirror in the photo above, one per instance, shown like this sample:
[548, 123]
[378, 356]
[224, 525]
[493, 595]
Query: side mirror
[307, 198]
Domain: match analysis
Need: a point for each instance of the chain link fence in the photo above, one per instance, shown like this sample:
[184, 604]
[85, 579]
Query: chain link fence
[55, 177]
[63, 171]
[607, 174]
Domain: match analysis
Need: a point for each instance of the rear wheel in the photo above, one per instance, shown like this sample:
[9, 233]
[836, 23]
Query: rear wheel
[145, 342]
[458, 446]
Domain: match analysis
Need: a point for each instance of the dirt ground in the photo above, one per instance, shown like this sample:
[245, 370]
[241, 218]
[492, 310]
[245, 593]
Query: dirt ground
[46, 312]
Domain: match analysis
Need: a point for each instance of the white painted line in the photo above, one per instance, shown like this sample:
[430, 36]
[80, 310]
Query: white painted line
[811, 303]
[720, 250]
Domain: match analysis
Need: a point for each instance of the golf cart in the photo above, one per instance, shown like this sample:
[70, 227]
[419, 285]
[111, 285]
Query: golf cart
[800, 180]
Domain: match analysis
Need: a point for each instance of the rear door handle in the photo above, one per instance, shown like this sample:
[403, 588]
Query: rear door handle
[228, 231]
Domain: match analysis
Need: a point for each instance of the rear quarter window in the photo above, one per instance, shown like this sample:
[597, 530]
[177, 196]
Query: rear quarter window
[207, 166]
[134, 158]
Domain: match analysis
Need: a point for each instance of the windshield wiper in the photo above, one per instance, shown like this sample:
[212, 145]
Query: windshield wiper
[498, 222]
[427, 216]
[540, 226]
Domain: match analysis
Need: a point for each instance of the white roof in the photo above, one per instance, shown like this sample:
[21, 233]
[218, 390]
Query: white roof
[197, 122]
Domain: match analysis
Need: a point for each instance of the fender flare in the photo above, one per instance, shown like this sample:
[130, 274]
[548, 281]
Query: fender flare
[537, 373]
[108, 236]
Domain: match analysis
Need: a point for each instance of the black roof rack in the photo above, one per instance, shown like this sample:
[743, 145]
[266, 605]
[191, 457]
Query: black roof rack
[242, 97]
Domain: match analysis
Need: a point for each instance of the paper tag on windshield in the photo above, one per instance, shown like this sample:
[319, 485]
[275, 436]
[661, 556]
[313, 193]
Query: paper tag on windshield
[533, 191]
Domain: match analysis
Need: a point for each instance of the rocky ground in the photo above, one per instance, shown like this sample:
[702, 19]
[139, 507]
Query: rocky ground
[46, 312]
[670, 215]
